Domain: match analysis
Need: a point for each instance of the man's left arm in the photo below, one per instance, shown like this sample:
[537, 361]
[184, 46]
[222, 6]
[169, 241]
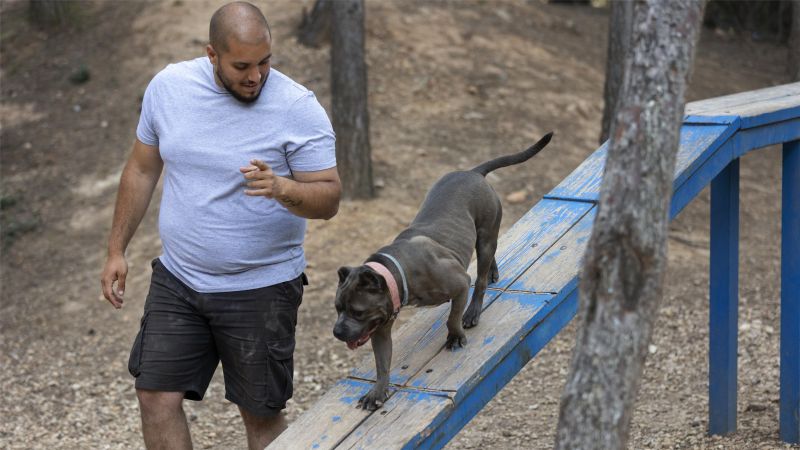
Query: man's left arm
[312, 195]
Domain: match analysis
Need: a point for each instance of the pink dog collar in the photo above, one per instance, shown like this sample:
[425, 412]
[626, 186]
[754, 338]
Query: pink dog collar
[394, 292]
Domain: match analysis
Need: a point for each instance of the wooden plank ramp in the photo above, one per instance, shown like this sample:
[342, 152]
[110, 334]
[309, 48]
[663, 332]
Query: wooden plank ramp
[435, 392]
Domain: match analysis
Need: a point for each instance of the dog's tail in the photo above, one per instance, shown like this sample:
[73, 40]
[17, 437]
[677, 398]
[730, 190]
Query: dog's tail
[510, 160]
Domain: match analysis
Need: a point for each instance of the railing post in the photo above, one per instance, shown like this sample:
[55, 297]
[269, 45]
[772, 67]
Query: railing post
[724, 295]
[790, 295]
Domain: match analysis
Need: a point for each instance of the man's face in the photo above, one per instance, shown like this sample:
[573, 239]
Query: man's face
[242, 69]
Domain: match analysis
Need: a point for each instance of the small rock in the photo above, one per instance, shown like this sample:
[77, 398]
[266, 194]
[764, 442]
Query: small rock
[755, 407]
[76, 108]
[517, 196]
[473, 115]
[652, 349]
[380, 183]
[80, 75]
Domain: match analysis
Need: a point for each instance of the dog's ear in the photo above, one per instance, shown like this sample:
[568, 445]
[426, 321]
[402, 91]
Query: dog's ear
[343, 273]
[370, 280]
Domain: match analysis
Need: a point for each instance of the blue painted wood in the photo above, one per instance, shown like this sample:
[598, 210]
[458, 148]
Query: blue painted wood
[770, 117]
[697, 143]
[701, 178]
[528, 239]
[564, 308]
[502, 327]
[790, 295]
[724, 300]
[561, 263]
[710, 120]
[760, 137]
[741, 143]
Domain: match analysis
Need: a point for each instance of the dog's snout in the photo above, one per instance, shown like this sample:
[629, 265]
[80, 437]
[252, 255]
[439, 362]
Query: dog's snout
[339, 331]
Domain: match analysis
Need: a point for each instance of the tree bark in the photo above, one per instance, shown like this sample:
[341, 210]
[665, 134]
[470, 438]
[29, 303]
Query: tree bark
[620, 26]
[315, 27]
[622, 279]
[349, 98]
[794, 43]
[48, 13]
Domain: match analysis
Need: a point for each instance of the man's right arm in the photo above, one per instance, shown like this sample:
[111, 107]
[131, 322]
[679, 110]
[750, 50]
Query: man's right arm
[139, 179]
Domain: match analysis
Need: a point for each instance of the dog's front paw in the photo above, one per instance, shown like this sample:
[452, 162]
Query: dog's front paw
[471, 316]
[374, 399]
[456, 340]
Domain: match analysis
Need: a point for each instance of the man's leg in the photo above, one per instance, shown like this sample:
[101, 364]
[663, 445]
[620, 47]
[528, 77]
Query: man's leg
[164, 424]
[262, 430]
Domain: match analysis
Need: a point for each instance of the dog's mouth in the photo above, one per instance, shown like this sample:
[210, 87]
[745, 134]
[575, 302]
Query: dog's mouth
[354, 344]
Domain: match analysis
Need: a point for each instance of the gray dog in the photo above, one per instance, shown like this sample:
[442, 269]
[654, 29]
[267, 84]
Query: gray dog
[426, 265]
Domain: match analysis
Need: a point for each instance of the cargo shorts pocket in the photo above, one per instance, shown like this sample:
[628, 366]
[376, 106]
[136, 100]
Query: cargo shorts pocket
[135, 360]
[280, 368]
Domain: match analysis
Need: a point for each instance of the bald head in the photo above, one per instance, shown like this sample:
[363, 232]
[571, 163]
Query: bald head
[240, 21]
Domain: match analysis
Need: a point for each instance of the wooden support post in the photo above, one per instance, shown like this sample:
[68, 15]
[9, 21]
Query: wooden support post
[724, 287]
[790, 295]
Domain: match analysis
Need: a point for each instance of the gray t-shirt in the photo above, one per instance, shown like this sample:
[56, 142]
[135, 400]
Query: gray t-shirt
[214, 237]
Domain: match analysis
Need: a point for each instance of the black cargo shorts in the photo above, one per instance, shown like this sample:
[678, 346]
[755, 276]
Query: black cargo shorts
[184, 335]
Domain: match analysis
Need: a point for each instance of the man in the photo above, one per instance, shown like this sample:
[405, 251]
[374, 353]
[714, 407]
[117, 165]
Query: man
[247, 155]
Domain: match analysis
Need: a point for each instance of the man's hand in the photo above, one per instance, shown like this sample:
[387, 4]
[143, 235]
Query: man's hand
[311, 195]
[261, 180]
[115, 270]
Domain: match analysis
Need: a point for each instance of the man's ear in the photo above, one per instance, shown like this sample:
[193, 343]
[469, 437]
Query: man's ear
[343, 273]
[370, 280]
[212, 54]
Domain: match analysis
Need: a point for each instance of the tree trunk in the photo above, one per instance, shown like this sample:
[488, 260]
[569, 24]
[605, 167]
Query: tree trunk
[48, 13]
[620, 26]
[625, 262]
[349, 98]
[794, 43]
[315, 27]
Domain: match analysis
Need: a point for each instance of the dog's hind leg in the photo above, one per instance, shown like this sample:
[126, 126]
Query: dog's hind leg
[494, 274]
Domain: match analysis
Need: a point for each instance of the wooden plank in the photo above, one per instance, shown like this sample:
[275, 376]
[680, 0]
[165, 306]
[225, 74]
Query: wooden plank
[559, 265]
[406, 416]
[741, 143]
[759, 137]
[766, 113]
[697, 143]
[583, 184]
[718, 105]
[329, 421]
[413, 345]
[790, 295]
[503, 325]
[724, 295]
[560, 311]
[531, 236]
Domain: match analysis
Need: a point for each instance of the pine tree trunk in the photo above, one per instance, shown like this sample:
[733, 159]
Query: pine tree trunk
[349, 98]
[622, 279]
[315, 27]
[620, 26]
[48, 13]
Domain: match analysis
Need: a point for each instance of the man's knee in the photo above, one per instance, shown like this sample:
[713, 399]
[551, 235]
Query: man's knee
[273, 422]
[156, 403]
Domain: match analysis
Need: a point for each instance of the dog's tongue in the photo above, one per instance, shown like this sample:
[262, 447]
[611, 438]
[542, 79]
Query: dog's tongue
[352, 345]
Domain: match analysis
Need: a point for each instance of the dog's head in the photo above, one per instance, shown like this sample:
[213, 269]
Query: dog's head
[363, 304]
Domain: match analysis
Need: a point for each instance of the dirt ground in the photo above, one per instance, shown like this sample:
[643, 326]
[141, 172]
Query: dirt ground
[452, 83]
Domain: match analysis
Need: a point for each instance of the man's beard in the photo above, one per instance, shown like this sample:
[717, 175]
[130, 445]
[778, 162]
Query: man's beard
[235, 94]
